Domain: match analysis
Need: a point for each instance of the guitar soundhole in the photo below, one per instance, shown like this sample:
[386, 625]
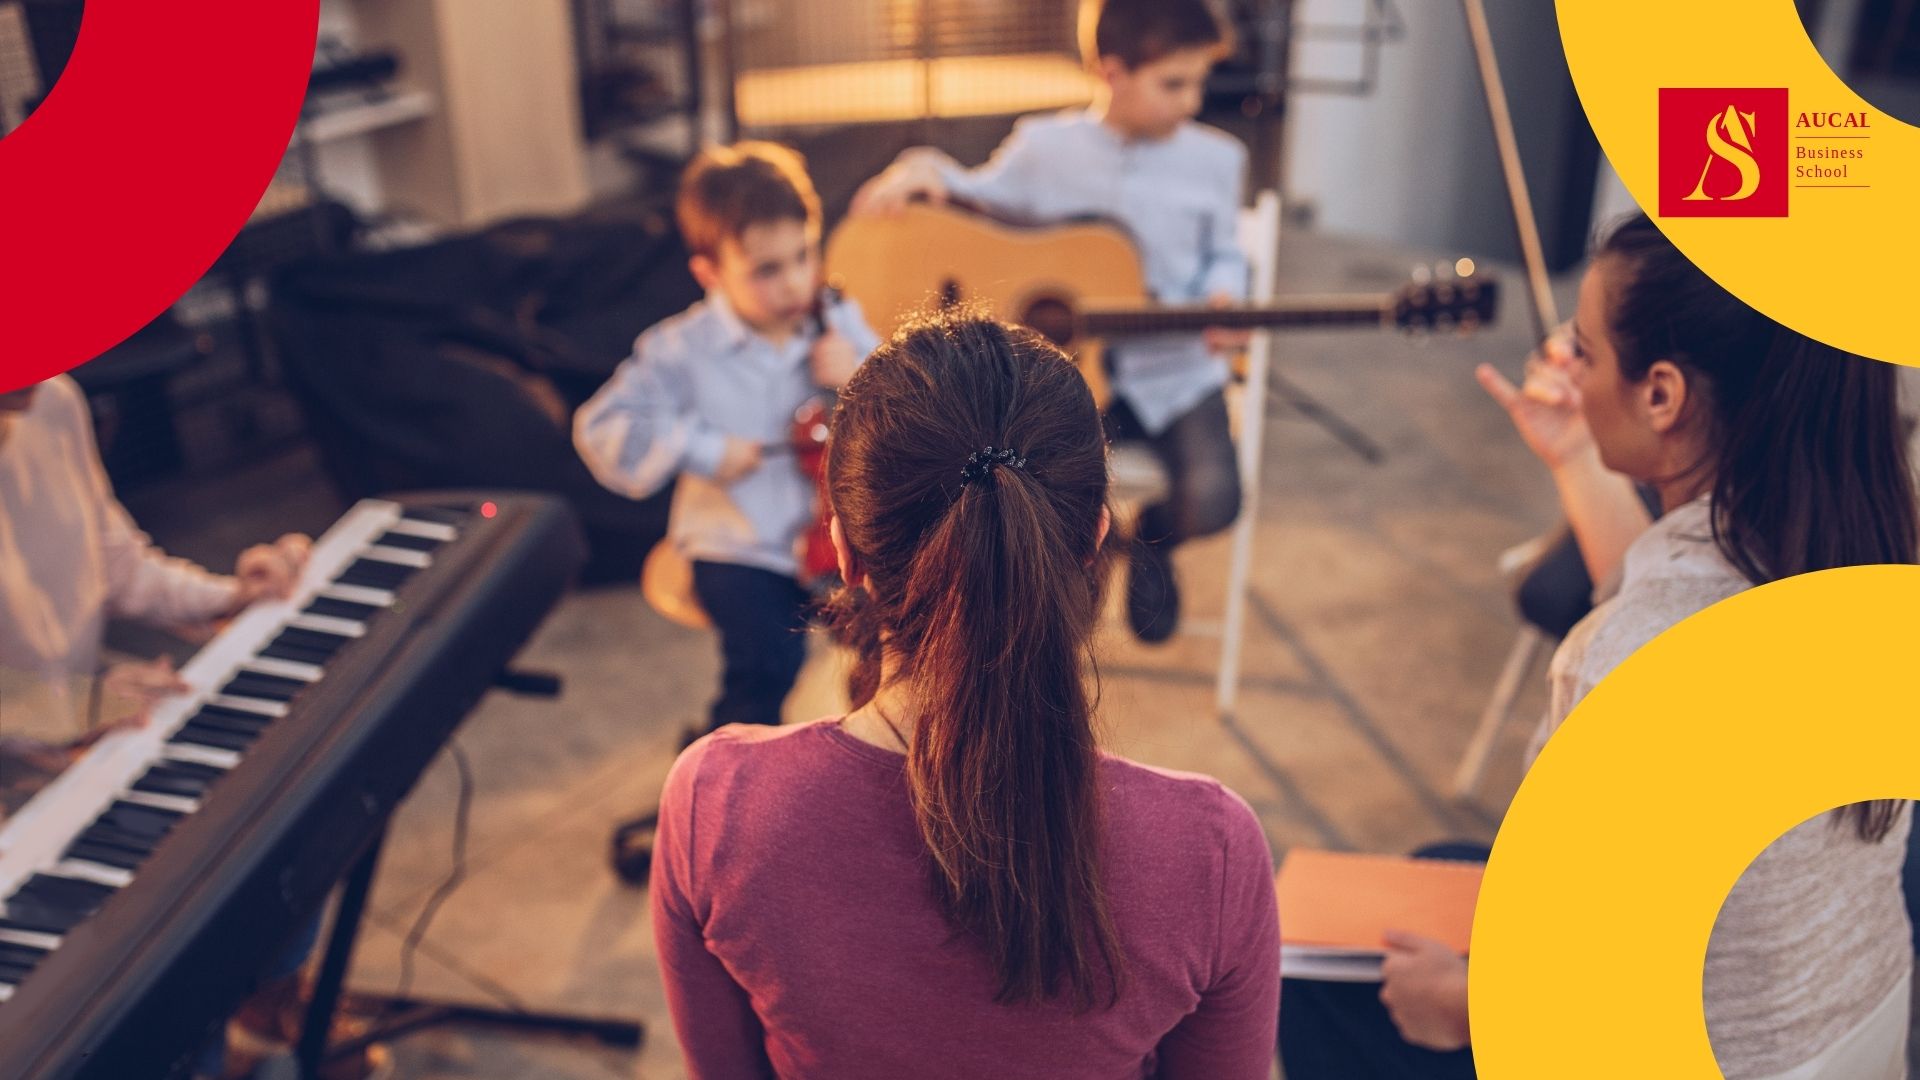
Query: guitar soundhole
[1051, 318]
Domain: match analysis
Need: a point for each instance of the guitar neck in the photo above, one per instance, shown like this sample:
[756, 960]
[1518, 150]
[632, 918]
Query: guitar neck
[1303, 312]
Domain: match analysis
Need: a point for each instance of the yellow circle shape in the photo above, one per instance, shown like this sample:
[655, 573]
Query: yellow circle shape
[1840, 267]
[1706, 745]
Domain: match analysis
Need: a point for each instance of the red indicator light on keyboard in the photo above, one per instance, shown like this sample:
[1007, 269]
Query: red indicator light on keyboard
[488, 509]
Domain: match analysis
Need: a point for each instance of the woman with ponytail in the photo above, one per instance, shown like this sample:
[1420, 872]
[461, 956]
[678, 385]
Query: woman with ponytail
[1773, 455]
[952, 880]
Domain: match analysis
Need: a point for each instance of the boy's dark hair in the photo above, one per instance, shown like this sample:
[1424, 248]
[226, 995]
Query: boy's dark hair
[728, 188]
[1140, 32]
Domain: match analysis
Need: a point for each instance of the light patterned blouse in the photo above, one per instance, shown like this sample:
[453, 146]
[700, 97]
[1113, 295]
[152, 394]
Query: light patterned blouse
[1813, 941]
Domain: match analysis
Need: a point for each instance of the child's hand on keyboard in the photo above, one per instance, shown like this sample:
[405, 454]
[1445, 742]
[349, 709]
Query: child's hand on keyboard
[271, 571]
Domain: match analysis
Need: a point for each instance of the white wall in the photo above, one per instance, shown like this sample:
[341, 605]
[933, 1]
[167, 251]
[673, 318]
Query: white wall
[1415, 160]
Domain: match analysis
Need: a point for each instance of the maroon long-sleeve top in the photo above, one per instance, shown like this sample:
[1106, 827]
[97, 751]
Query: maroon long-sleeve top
[798, 936]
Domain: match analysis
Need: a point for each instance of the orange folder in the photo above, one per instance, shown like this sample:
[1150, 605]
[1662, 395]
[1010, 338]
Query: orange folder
[1337, 902]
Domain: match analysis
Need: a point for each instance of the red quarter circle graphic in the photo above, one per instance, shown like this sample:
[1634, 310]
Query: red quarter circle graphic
[140, 167]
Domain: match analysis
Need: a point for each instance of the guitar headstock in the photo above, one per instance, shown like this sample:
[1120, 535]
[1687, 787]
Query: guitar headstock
[1455, 295]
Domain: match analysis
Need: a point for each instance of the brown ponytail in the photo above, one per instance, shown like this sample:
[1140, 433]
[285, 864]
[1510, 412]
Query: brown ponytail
[983, 594]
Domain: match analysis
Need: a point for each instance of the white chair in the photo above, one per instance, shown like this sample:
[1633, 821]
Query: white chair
[1521, 655]
[1260, 239]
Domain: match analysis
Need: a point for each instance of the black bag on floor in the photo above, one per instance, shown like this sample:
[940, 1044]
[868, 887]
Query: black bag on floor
[459, 364]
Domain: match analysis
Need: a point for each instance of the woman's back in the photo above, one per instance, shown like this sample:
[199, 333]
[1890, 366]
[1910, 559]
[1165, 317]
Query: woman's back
[794, 910]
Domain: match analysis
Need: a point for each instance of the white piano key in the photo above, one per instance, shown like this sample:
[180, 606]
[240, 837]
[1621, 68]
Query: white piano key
[286, 669]
[6, 991]
[358, 594]
[327, 624]
[32, 939]
[426, 530]
[179, 804]
[254, 705]
[200, 755]
[395, 556]
[99, 873]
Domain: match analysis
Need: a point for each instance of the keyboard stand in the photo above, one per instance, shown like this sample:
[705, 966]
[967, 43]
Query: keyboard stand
[392, 1017]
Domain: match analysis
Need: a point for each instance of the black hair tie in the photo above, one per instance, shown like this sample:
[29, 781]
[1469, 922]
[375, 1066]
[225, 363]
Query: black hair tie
[981, 463]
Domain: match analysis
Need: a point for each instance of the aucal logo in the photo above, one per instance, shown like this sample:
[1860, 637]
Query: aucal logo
[1723, 152]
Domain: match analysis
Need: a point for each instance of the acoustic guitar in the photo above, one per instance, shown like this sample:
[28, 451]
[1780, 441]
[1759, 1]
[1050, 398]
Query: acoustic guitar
[1081, 283]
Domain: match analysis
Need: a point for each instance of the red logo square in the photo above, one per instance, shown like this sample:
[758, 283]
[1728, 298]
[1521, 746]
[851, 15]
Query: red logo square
[1724, 152]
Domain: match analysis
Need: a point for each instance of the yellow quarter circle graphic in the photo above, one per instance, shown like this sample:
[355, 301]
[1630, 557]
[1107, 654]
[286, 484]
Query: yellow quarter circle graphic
[1841, 266]
[1590, 938]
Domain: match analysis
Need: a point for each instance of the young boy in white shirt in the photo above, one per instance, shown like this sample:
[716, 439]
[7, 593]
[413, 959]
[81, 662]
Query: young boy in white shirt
[1136, 157]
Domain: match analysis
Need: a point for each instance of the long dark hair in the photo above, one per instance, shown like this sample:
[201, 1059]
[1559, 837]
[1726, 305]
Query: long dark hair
[983, 595]
[1808, 453]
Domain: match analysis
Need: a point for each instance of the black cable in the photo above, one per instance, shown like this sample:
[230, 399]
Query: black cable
[462, 813]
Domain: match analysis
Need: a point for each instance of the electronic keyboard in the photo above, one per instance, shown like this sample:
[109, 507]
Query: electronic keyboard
[146, 887]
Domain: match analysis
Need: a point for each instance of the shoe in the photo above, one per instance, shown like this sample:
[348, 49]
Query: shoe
[1153, 597]
[632, 855]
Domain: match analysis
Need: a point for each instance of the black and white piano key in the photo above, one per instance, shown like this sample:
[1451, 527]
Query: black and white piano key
[407, 557]
[357, 594]
[335, 608]
[258, 684]
[428, 516]
[373, 574]
[178, 779]
[292, 651]
[105, 854]
[201, 755]
[407, 540]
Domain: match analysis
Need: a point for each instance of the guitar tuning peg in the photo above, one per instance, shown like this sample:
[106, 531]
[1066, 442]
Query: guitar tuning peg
[1443, 270]
[1421, 274]
[1464, 267]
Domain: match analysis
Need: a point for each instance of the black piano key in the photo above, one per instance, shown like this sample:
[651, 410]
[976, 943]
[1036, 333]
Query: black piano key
[280, 650]
[58, 901]
[340, 609]
[158, 782]
[102, 835]
[219, 713]
[408, 541]
[253, 684]
[148, 821]
[12, 971]
[41, 918]
[113, 835]
[369, 573]
[56, 889]
[435, 515]
[102, 853]
[242, 724]
[204, 735]
[318, 640]
[21, 954]
[195, 769]
[392, 571]
[28, 917]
